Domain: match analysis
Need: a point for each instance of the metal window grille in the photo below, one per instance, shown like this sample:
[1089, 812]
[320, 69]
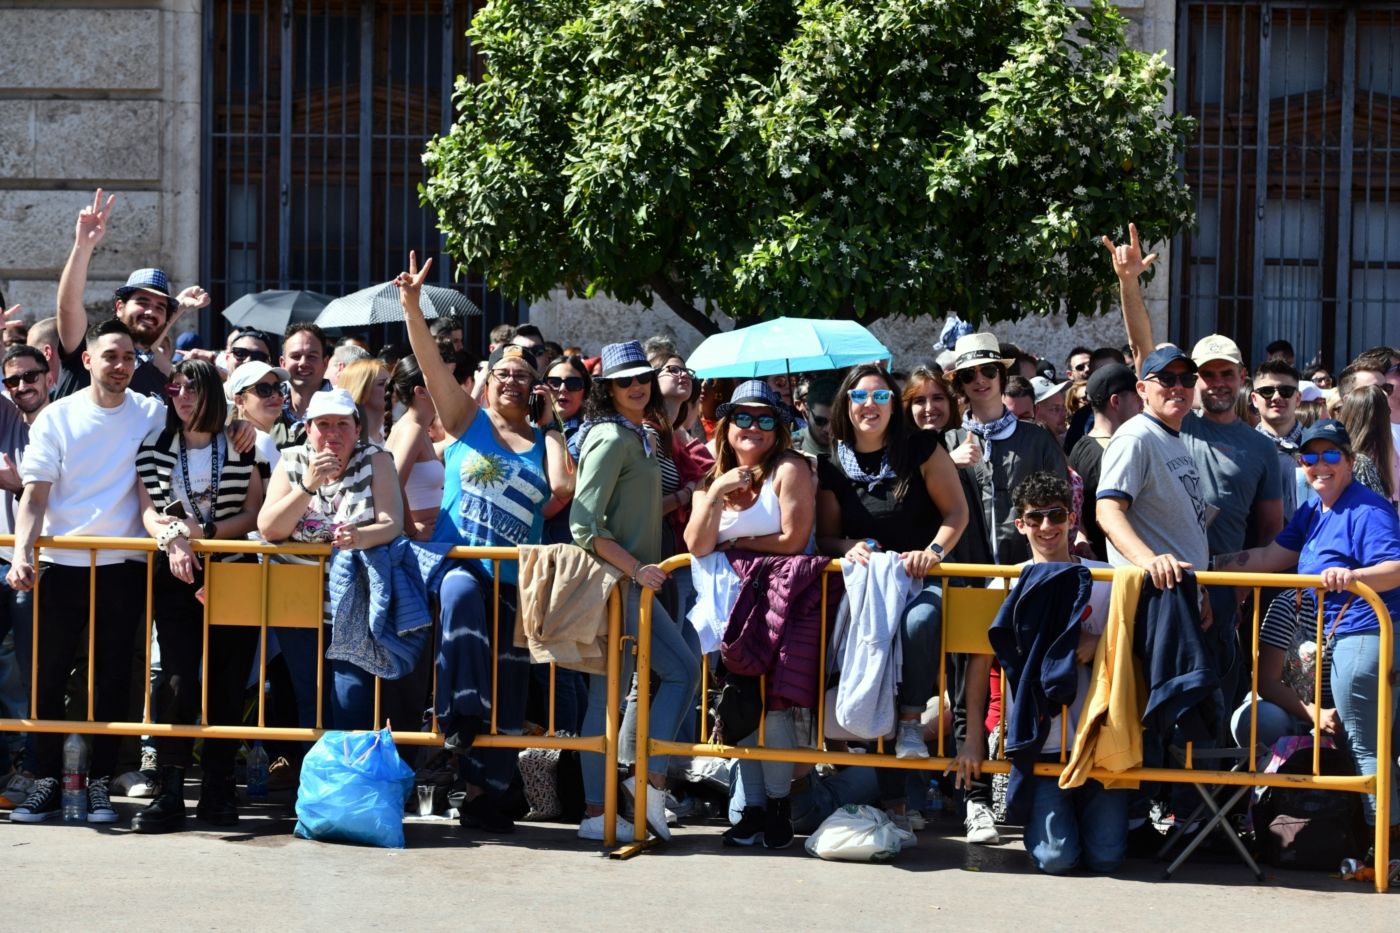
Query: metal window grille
[316, 113]
[1293, 169]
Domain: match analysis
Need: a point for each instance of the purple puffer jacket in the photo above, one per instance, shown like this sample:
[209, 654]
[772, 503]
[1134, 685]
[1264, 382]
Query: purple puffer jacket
[775, 628]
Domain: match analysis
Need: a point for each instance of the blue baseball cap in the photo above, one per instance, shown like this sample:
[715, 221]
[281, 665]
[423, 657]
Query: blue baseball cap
[1326, 430]
[1163, 357]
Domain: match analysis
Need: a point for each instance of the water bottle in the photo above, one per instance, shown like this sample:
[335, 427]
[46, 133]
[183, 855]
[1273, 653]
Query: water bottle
[257, 772]
[933, 803]
[75, 775]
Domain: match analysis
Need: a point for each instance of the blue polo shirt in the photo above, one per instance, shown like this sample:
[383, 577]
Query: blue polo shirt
[1360, 530]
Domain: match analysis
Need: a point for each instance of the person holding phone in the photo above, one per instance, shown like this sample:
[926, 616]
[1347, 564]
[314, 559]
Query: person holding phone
[194, 485]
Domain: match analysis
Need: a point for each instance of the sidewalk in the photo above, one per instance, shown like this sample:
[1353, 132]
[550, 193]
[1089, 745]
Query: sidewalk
[542, 877]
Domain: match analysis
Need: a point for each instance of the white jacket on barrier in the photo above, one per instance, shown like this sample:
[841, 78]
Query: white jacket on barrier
[866, 641]
[716, 591]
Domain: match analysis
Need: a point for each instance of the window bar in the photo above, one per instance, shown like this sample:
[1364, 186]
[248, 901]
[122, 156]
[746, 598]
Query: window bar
[1346, 167]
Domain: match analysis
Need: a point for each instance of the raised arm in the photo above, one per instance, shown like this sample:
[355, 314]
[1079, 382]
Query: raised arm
[90, 229]
[454, 407]
[1129, 264]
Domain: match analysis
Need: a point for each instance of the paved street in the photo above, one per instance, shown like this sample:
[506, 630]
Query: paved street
[77, 877]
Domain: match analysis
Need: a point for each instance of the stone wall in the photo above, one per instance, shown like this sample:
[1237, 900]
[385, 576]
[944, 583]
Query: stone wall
[595, 321]
[98, 93]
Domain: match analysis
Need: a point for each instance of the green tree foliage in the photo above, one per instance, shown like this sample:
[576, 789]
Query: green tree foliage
[814, 157]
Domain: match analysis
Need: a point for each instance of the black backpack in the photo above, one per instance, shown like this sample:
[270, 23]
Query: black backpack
[1306, 828]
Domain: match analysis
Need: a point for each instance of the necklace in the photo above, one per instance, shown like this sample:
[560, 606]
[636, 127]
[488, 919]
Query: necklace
[215, 458]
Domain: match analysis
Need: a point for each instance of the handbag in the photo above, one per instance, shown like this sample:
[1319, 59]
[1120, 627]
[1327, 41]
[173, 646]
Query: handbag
[737, 710]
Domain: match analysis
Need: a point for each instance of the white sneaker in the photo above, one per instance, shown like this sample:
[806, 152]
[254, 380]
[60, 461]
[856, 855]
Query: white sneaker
[656, 807]
[910, 743]
[592, 829]
[981, 827]
[905, 826]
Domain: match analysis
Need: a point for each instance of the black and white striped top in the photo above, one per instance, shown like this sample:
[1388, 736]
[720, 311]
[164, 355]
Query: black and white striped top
[158, 458]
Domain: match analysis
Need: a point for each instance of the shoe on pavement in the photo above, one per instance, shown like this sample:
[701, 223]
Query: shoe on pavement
[44, 800]
[17, 790]
[100, 809]
[592, 829]
[905, 825]
[917, 821]
[218, 801]
[910, 743]
[748, 831]
[777, 823]
[167, 812]
[981, 827]
[481, 813]
[656, 807]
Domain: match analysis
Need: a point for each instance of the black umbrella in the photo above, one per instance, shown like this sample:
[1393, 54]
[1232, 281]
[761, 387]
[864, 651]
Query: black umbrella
[273, 310]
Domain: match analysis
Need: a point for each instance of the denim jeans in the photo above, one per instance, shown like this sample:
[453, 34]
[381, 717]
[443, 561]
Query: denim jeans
[919, 633]
[1355, 688]
[1086, 826]
[675, 659]
[1274, 723]
[402, 702]
[769, 778]
[814, 796]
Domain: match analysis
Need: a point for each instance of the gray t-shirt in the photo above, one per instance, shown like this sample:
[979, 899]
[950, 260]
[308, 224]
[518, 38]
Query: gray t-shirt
[1147, 464]
[1239, 467]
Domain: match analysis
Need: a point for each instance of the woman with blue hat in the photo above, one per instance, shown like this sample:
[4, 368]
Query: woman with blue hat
[1349, 534]
[616, 515]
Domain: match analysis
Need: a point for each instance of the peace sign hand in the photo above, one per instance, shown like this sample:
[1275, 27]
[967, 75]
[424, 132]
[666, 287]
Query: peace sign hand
[8, 321]
[92, 221]
[410, 283]
[1128, 261]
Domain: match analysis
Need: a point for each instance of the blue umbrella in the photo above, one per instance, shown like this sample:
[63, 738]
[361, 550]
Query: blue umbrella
[786, 345]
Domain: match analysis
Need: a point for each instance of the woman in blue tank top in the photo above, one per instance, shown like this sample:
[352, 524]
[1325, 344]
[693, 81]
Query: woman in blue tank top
[500, 473]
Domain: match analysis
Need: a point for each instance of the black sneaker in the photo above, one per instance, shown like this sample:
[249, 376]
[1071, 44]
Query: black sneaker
[100, 808]
[777, 823]
[44, 800]
[748, 831]
[481, 813]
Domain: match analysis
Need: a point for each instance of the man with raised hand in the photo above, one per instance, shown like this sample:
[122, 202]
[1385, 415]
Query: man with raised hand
[144, 305]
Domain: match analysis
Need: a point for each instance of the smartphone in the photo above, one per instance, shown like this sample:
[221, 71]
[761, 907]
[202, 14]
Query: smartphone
[539, 404]
[174, 510]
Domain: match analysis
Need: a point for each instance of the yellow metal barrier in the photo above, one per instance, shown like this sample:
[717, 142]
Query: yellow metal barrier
[967, 612]
[267, 594]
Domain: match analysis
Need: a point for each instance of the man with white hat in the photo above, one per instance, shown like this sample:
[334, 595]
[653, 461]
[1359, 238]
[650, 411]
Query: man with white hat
[144, 304]
[1050, 411]
[994, 451]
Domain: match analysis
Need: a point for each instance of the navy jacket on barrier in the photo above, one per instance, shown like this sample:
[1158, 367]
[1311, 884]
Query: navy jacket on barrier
[1182, 686]
[1034, 636]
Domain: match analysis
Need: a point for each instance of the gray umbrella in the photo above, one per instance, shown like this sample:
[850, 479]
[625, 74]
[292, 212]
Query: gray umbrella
[378, 304]
[273, 310]
[451, 301]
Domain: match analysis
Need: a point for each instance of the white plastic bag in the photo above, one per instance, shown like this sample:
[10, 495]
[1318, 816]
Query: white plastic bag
[858, 833]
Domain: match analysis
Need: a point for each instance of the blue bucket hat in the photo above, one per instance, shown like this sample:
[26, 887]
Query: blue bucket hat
[145, 280]
[624, 359]
[755, 392]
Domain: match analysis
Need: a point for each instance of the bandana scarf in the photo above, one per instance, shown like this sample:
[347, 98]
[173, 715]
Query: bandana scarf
[998, 430]
[646, 434]
[1289, 443]
[851, 467]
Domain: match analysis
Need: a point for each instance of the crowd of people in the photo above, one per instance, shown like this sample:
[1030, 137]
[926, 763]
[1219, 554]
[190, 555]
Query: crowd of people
[1146, 455]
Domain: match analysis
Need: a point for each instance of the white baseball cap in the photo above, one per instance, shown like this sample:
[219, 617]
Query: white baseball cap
[332, 402]
[251, 373]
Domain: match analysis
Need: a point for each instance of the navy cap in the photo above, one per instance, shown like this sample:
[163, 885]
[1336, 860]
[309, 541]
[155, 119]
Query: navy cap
[1326, 430]
[1163, 357]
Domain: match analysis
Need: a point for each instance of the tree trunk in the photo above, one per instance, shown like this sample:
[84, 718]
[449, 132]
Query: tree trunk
[671, 296]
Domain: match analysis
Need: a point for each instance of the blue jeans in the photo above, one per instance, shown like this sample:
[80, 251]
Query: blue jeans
[769, 778]
[1355, 689]
[675, 659]
[919, 633]
[1086, 826]
[1274, 724]
[814, 797]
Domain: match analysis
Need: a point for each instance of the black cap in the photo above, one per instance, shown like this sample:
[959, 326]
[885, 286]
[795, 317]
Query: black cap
[1327, 430]
[1107, 381]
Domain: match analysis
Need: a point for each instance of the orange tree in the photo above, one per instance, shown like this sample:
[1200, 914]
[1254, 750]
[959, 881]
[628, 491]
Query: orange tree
[843, 158]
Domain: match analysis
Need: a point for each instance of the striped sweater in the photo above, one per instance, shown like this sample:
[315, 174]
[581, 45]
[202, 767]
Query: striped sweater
[158, 458]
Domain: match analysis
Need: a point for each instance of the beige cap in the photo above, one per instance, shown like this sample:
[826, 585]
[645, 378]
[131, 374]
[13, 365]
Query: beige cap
[1216, 347]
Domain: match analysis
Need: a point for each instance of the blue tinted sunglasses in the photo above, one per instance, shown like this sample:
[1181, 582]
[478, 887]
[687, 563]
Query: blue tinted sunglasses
[743, 421]
[1331, 457]
[861, 396]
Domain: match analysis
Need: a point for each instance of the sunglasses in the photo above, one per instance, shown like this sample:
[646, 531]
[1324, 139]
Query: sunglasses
[1331, 457]
[175, 390]
[1388, 387]
[29, 378]
[743, 421]
[678, 371]
[879, 396]
[1285, 392]
[625, 382]
[568, 383]
[986, 371]
[820, 421]
[1037, 517]
[243, 355]
[1172, 380]
[265, 389]
[1081, 367]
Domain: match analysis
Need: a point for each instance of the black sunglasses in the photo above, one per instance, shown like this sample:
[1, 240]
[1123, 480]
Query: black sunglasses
[571, 383]
[1172, 380]
[625, 382]
[743, 421]
[29, 378]
[987, 371]
[243, 355]
[265, 389]
[820, 421]
[1286, 392]
[1037, 517]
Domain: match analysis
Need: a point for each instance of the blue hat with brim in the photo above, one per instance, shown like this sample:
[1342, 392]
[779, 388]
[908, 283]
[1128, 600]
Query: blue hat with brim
[1326, 430]
[1163, 357]
[624, 359]
[755, 392]
[145, 280]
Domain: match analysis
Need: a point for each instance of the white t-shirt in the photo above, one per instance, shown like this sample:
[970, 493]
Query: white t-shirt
[1094, 622]
[88, 453]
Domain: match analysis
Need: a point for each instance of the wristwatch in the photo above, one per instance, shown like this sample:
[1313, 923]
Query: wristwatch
[936, 548]
[209, 529]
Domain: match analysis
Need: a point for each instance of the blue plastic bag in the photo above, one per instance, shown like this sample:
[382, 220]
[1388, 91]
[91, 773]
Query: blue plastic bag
[353, 789]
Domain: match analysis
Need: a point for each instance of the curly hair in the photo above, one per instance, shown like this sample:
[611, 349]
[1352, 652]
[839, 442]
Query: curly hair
[1041, 489]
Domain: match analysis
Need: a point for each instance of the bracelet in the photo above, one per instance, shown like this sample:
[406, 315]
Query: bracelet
[169, 533]
[304, 488]
[635, 567]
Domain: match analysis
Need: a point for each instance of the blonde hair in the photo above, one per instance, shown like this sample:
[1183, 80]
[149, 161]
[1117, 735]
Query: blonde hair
[357, 378]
